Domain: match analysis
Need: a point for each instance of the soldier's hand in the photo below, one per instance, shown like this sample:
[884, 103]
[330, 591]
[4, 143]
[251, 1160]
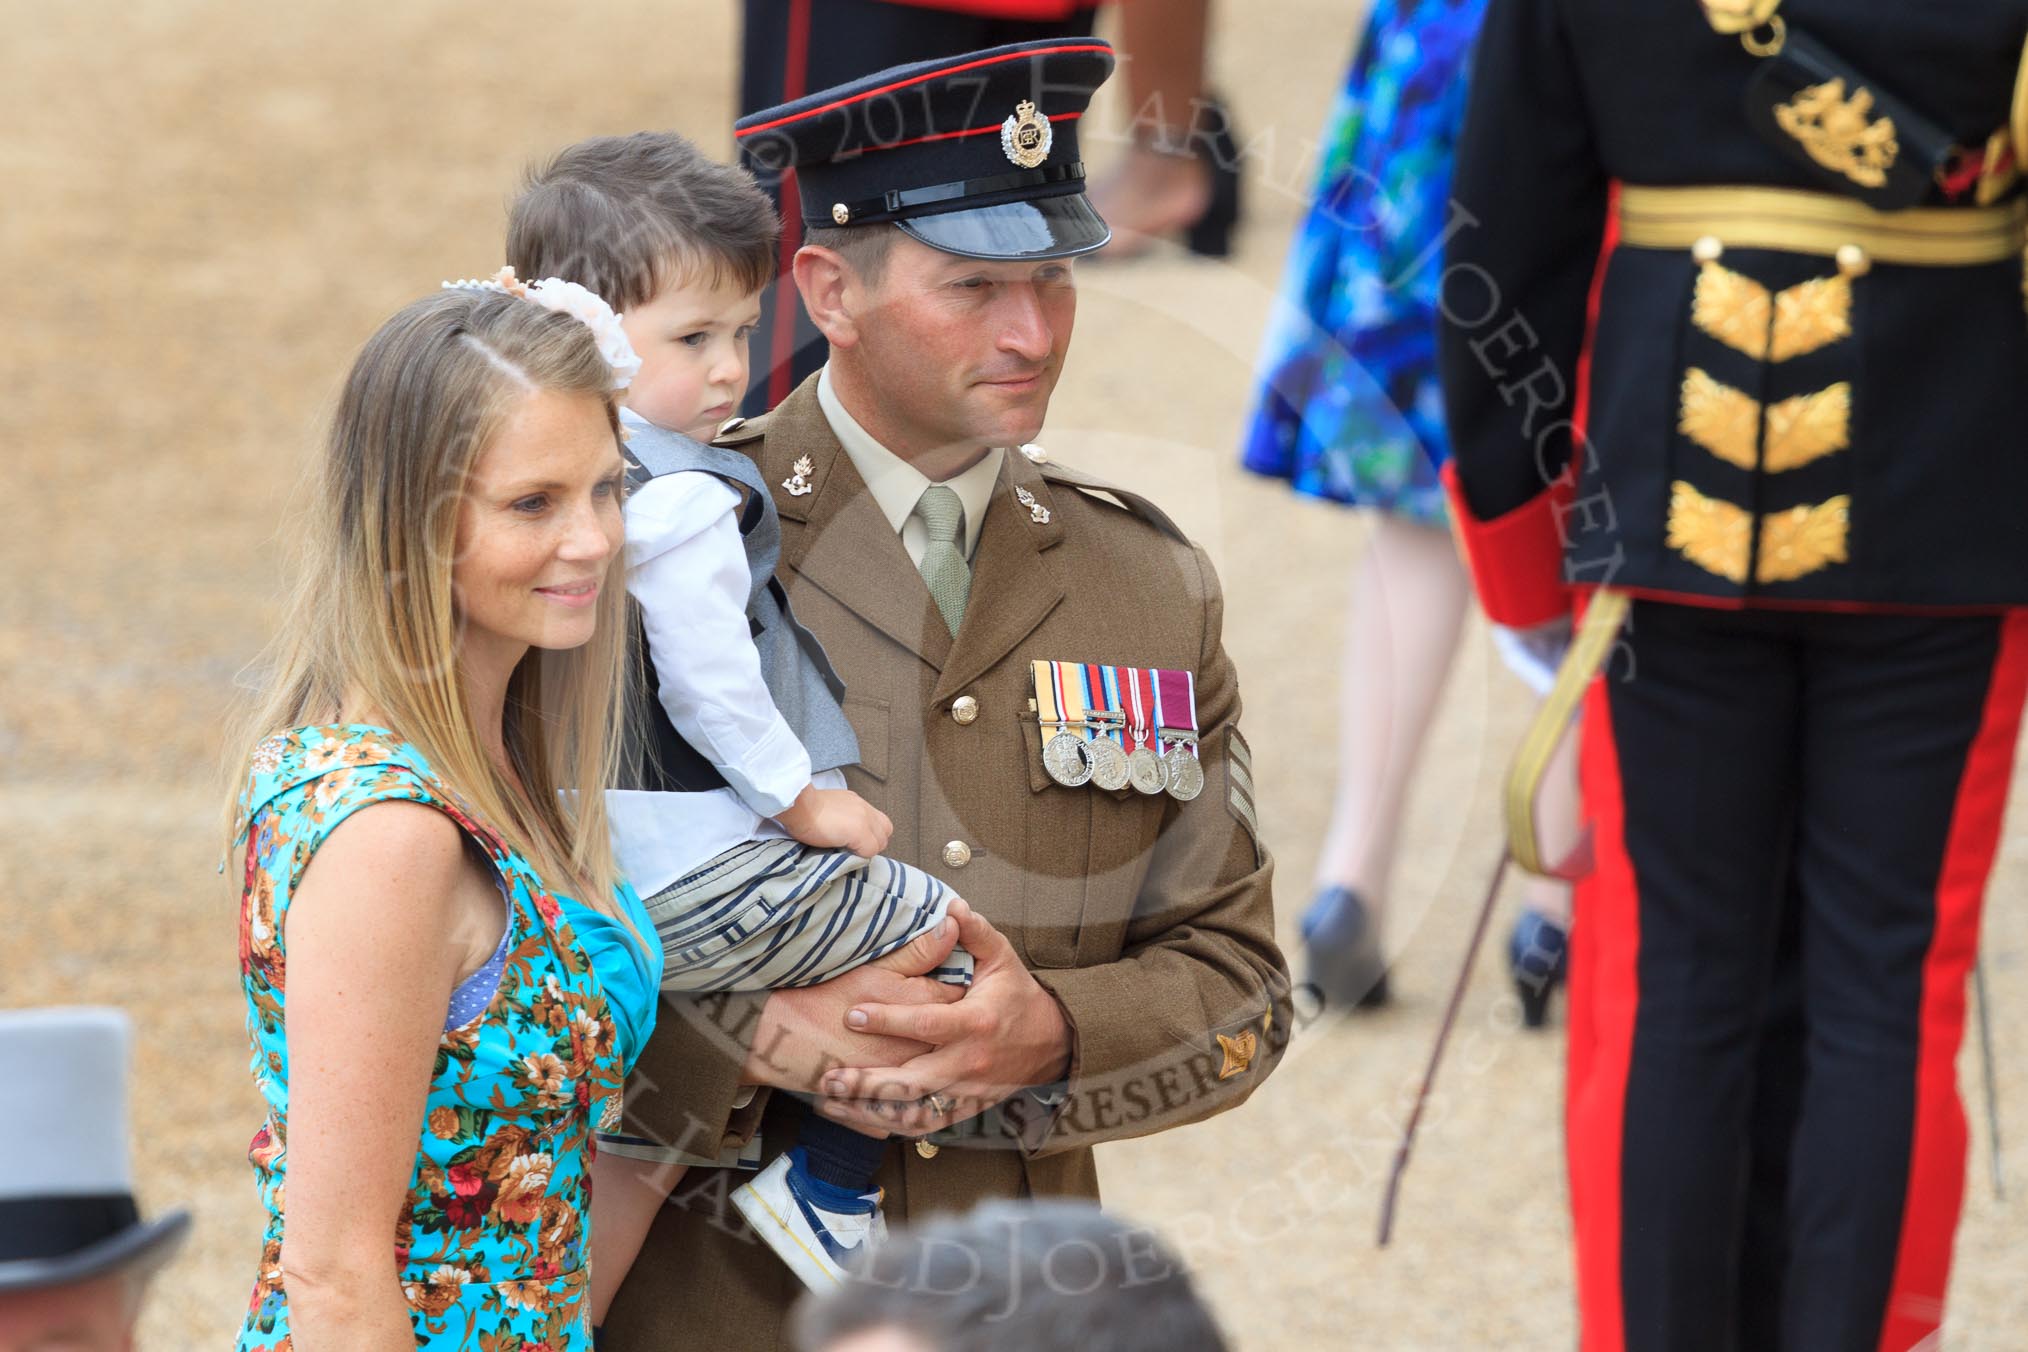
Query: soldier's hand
[1007, 1034]
[803, 1031]
[837, 819]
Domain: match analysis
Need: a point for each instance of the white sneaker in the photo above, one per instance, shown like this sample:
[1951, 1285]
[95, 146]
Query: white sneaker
[816, 1243]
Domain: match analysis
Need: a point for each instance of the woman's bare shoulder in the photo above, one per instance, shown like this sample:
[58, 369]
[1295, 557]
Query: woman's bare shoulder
[398, 850]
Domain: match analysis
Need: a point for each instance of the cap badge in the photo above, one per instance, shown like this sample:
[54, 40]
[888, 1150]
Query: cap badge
[1026, 136]
[798, 482]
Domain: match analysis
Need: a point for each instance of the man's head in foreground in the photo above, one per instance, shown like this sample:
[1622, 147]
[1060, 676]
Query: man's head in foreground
[75, 1255]
[1014, 1277]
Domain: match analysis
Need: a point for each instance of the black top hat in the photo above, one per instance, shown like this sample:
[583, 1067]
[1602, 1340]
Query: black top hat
[974, 155]
[67, 1208]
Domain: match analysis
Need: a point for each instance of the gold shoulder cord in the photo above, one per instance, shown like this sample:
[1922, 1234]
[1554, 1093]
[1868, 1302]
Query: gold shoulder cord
[1759, 29]
[2018, 124]
[1603, 616]
[2019, 120]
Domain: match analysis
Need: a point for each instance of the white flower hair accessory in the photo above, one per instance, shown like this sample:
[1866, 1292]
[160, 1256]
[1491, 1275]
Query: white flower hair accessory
[554, 293]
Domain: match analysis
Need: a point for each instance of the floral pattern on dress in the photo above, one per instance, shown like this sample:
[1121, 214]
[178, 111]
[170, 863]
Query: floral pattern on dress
[490, 1246]
[1348, 406]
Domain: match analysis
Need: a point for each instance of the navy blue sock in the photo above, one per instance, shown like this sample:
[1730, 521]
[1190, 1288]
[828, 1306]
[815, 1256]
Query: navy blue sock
[837, 1155]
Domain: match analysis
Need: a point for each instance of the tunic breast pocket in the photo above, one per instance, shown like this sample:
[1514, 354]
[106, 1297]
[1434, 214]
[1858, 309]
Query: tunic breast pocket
[1086, 854]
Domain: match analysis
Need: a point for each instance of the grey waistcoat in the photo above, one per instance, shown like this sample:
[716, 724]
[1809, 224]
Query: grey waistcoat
[799, 675]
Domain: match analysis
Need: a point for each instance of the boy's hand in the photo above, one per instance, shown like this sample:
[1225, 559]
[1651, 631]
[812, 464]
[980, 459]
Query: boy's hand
[837, 819]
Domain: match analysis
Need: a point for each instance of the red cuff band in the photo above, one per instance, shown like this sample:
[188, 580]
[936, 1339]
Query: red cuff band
[1516, 558]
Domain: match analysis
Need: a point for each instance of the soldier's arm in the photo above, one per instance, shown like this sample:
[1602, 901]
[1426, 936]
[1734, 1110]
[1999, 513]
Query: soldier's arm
[697, 1094]
[1523, 241]
[1195, 1013]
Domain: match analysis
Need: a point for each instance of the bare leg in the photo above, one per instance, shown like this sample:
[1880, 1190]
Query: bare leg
[627, 1194]
[1158, 186]
[1408, 603]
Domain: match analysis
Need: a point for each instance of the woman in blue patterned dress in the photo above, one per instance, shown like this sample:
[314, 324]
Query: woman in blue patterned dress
[437, 1025]
[1349, 410]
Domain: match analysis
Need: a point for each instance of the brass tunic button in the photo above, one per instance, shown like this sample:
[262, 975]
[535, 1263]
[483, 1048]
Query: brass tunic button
[926, 1149]
[1707, 249]
[957, 854]
[1036, 455]
[964, 711]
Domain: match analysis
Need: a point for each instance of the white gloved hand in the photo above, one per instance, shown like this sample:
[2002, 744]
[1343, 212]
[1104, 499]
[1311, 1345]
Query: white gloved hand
[1534, 653]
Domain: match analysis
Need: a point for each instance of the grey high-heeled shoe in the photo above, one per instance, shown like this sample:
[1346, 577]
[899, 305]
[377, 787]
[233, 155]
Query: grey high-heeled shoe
[1342, 947]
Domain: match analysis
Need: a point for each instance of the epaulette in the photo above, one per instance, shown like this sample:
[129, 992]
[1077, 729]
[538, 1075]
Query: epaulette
[739, 431]
[1095, 487]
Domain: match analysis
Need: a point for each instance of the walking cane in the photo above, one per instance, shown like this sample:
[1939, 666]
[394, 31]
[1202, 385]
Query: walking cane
[1588, 652]
[1992, 1084]
[1436, 1053]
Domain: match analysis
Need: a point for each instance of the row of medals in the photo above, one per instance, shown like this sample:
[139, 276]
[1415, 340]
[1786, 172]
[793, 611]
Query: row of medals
[1074, 759]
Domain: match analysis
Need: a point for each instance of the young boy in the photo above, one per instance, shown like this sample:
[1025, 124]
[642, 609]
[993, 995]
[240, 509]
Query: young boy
[735, 824]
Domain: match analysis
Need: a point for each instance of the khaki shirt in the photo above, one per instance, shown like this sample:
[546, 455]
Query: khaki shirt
[897, 486]
[1150, 920]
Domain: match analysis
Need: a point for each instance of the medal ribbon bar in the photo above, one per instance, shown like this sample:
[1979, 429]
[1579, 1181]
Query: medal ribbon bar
[1102, 720]
[1176, 725]
[1059, 706]
[1148, 772]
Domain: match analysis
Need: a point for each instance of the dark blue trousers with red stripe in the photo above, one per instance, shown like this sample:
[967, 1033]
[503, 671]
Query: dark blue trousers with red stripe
[789, 48]
[1794, 815]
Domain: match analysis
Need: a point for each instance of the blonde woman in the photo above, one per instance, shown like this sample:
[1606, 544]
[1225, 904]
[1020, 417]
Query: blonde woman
[437, 1026]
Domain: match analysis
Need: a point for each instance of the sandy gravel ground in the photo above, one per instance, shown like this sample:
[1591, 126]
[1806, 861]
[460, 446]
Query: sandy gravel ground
[209, 204]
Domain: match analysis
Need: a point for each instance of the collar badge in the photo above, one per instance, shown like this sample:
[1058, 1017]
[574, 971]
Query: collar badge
[798, 482]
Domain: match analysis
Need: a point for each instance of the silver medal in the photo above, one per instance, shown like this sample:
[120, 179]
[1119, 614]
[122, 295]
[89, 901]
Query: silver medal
[1067, 758]
[1186, 775]
[1146, 772]
[1108, 764]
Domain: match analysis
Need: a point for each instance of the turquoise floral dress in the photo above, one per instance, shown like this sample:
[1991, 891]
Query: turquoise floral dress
[491, 1244]
[1348, 407]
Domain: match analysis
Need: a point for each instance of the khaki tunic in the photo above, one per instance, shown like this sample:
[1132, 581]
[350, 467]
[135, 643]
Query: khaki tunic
[1149, 920]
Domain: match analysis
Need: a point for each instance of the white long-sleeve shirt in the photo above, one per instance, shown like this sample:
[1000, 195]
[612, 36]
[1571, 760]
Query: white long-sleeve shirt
[686, 566]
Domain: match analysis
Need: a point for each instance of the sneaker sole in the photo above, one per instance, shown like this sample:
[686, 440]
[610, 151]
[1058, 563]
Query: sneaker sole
[810, 1267]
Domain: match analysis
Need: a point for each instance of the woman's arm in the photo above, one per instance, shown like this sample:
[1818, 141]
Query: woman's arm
[370, 973]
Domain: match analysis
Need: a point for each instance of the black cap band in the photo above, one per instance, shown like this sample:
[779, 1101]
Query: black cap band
[959, 195]
[51, 1227]
[973, 154]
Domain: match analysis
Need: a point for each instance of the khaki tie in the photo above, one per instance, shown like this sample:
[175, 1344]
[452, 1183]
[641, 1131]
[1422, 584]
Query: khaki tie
[943, 565]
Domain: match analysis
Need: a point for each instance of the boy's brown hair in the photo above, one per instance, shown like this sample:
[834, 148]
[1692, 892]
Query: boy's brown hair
[628, 215]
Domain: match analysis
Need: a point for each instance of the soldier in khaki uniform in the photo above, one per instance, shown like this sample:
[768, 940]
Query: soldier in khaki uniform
[1128, 978]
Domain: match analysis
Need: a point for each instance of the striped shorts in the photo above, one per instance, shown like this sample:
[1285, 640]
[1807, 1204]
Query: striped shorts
[774, 913]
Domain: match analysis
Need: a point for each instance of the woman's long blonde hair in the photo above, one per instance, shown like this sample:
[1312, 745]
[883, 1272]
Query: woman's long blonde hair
[372, 624]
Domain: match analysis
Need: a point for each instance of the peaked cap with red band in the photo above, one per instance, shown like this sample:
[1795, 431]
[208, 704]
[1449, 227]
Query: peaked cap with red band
[975, 155]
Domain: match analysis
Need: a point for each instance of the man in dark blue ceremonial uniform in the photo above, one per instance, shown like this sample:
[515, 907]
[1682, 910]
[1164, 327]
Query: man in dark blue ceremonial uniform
[1735, 357]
